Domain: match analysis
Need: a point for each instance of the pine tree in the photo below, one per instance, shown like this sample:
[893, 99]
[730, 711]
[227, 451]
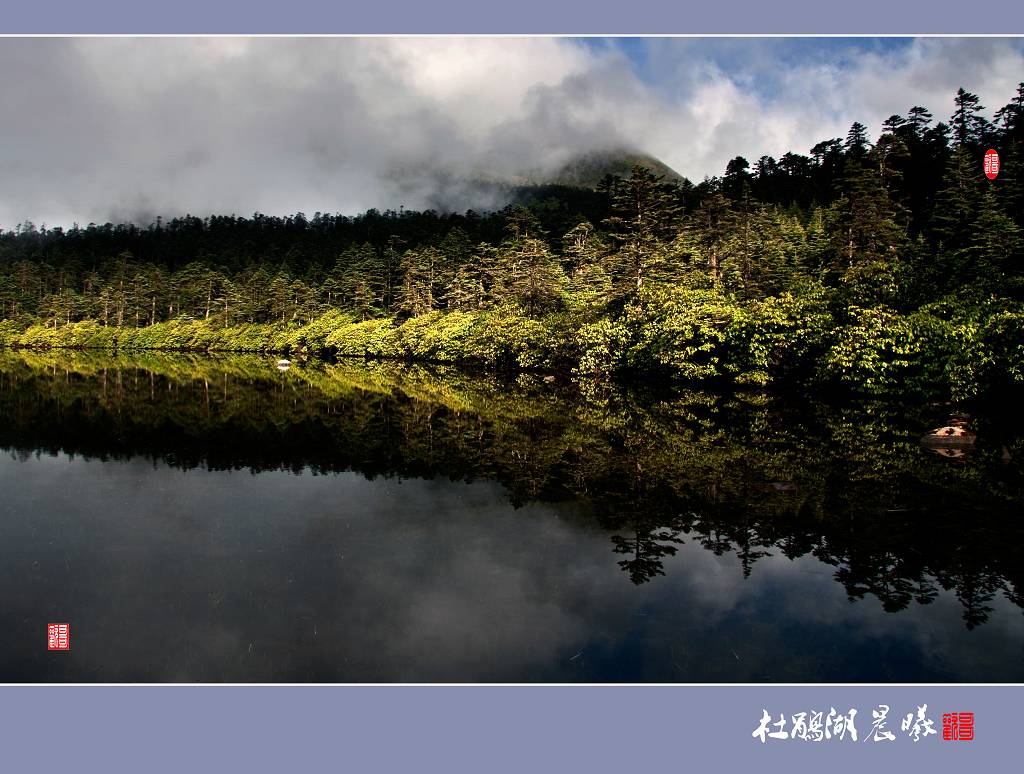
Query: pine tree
[1010, 183]
[918, 119]
[465, 289]
[969, 126]
[993, 246]
[584, 257]
[421, 290]
[856, 145]
[863, 224]
[706, 241]
[957, 201]
[526, 270]
[737, 177]
[645, 211]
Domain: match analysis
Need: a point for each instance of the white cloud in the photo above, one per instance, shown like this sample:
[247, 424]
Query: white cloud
[97, 129]
[726, 114]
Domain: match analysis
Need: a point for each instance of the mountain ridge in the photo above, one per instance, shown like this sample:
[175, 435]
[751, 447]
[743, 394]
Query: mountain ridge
[483, 189]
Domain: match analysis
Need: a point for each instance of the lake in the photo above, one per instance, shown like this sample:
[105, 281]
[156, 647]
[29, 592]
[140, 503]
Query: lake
[218, 519]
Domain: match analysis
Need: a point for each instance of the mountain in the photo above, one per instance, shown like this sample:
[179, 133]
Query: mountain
[587, 169]
[483, 189]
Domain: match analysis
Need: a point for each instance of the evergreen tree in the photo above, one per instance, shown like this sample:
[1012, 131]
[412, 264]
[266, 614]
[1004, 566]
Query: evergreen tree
[706, 240]
[421, 291]
[969, 126]
[993, 246]
[644, 215]
[585, 259]
[529, 273]
[863, 223]
[737, 177]
[856, 145]
[957, 201]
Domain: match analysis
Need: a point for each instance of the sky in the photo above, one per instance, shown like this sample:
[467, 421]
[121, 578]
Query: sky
[125, 129]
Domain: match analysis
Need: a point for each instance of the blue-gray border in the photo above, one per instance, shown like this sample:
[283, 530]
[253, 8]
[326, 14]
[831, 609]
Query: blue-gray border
[491, 728]
[865, 17]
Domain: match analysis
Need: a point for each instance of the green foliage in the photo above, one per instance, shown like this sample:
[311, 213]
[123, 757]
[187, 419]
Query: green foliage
[313, 336]
[600, 347]
[87, 334]
[504, 339]
[873, 354]
[866, 283]
[685, 331]
[1002, 343]
[786, 335]
[948, 357]
[10, 332]
[369, 338]
[436, 336]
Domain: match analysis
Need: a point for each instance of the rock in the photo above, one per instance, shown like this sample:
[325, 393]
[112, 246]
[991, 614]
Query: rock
[949, 435]
[953, 440]
[954, 434]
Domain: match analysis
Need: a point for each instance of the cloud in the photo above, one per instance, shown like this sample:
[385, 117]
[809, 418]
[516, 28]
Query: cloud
[731, 97]
[102, 129]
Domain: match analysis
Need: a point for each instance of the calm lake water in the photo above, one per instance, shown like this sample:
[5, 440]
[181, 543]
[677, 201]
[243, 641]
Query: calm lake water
[209, 519]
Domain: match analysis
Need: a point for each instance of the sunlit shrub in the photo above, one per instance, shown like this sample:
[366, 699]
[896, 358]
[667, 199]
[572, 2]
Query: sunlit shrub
[503, 338]
[373, 338]
[873, 354]
[684, 332]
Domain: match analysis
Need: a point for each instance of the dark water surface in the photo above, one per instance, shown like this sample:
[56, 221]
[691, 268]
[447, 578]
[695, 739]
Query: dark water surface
[208, 519]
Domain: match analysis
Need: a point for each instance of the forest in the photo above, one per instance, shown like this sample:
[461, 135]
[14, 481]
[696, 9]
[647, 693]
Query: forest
[891, 266]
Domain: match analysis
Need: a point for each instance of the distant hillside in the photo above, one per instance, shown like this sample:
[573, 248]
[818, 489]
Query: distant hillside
[587, 170]
[484, 189]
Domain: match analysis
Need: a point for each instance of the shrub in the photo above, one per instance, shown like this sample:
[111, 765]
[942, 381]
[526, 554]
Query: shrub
[1001, 342]
[10, 332]
[370, 338]
[782, 336]
[600, 347]
[502, 338]
[436, 336]
[684, 332]
[874, 353]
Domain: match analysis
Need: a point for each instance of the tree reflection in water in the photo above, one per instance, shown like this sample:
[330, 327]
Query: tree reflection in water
[746, 474]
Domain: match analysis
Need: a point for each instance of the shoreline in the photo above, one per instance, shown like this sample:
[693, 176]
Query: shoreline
[670, 336]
